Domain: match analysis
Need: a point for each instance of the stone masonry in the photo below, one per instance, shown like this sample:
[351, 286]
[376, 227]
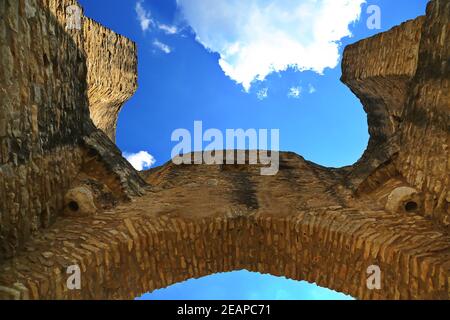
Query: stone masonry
[45, 129]
[109, 54]
[67, 197]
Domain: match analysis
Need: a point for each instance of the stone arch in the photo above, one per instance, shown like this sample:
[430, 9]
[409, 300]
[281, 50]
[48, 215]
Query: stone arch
[308, 223]
[127, 254]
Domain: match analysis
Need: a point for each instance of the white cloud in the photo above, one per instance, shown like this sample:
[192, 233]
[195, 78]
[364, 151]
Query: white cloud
[295, 92]
[168, 29]
[143, 16]
[162, 46]
[257, 37]
[311, 89]
[146, 21]
[262, 94]
[141, 160]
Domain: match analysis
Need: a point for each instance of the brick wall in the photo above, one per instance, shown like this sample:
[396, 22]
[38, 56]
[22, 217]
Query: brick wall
[112, 74]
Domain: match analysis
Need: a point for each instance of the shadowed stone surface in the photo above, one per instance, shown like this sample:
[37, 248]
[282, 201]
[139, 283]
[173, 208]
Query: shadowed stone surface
[307, 222]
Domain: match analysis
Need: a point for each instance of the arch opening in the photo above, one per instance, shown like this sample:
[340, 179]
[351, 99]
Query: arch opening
[244, 285]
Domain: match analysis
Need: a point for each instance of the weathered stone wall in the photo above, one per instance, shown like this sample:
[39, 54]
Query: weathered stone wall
[295, 224]
[306, 223]
[379, 71]
[42, 113]
[112, 74]
[44, 119]
[424, 157]
[403, 83]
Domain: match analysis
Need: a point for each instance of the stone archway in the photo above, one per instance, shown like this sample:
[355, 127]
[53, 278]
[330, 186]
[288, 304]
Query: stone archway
[151, 243]
[308, 222]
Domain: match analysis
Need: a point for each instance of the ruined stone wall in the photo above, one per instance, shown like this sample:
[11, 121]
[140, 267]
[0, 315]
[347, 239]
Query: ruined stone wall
[42, 113]
[45, 127]
[200, 220]
[379, 71]
[390, 53]
[403, 83]
[112, 74]
[130, 252]
[424, 157]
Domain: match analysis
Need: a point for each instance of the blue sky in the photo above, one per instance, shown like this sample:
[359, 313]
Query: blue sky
[197, 60]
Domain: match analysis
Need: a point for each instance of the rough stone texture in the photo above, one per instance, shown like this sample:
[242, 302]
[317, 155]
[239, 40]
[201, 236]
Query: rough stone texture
[403, 83]
[112, 74]
[44, 119]
[308, 222]
[295, 224]
[174, 235]
[381, 80]
[41, 118]
[404, 199]
[424, 156]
